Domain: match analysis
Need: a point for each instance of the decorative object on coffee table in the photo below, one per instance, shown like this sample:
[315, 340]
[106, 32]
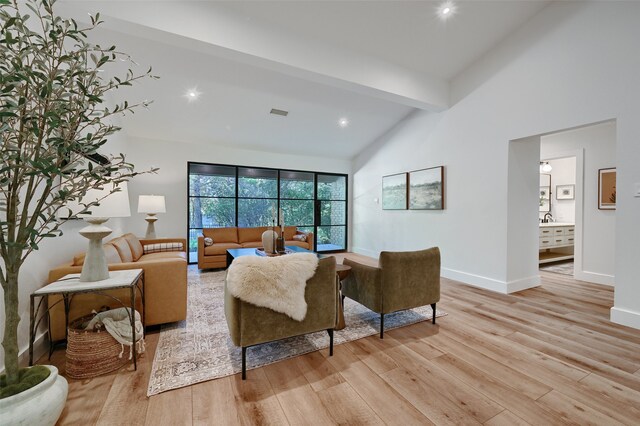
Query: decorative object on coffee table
[261, 252]
[280, 239]
[268, 241]
[151, 205]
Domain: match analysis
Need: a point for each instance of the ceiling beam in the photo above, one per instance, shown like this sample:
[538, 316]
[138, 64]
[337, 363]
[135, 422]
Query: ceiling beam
[205, 28]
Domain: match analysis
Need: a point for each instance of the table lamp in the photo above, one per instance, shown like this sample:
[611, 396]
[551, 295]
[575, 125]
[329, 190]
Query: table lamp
[151, 204]
[114, 205]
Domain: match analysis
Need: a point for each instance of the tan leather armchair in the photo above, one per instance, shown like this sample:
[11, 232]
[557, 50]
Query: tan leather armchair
[403, 280]
[251, 325]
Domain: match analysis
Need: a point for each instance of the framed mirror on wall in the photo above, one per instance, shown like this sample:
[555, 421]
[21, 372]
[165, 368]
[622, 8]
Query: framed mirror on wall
[545, 192]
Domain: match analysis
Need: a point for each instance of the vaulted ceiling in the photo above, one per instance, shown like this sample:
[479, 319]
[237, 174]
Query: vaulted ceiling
[371, 62]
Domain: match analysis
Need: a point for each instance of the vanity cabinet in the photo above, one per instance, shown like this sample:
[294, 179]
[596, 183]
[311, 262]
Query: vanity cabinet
[554, 236]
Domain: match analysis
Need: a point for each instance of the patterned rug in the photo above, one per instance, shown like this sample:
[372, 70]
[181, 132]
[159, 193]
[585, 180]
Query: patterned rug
[564, 268]
[200, 349]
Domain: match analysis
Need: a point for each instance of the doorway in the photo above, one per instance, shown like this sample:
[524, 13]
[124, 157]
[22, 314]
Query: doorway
[557, 214]
[594, 148]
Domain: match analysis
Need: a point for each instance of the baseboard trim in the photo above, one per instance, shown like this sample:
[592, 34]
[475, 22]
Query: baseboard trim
[366, 252]
[475, 280]
[40, 347]
[523, 284]
[594, 277]
[626, 317]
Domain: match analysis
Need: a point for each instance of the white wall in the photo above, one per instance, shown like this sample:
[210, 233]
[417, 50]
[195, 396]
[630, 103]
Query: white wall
[171, 180]
[573, 64]
[598, 143]
[563, 173]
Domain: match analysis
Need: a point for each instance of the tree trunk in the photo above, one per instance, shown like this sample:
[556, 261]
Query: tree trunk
[10, 341]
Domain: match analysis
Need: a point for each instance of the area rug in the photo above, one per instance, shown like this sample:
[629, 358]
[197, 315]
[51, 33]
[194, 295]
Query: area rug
[200, 349]
[564, 268]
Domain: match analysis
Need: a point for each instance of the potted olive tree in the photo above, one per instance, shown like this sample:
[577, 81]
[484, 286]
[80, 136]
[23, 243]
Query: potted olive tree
[53, 116]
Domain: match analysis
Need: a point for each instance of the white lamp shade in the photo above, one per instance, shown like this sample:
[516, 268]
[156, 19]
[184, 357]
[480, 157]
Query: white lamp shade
[114, 205]
[151, 204]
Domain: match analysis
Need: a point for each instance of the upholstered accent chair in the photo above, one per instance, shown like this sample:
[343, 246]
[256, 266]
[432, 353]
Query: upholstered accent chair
[251, 325]
[403, 280]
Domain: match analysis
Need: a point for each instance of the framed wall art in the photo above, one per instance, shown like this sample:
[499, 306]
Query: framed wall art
[607, 189]
[426, 189]
[394, 192]
[565, 192]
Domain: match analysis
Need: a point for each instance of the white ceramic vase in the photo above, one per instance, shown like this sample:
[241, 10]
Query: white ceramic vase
[269, 241]
[40, 405]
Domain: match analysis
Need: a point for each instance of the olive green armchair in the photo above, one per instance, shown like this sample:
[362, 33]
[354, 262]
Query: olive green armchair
[403, 280]
[251, 325]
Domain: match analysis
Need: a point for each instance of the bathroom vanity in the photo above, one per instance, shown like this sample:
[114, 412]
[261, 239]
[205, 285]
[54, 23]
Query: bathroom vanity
[556, 241]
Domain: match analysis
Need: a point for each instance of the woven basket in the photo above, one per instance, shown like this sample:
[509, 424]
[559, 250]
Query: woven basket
[91, 353]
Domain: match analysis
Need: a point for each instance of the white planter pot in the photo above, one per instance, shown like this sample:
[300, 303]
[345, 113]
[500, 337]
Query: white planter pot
[40, 405]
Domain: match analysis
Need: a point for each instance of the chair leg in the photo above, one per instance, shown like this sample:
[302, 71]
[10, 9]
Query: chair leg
[330, 331]
[244, 363]
[433, 306]
[382, 326]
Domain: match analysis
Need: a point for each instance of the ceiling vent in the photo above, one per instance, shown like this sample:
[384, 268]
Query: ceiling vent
[275, 111]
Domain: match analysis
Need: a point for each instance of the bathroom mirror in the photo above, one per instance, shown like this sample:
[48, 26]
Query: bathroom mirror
[545, 192]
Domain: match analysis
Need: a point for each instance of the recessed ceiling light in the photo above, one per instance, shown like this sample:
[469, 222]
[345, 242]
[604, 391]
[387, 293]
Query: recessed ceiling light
[446, 10]
[192, 94]
[343, 122]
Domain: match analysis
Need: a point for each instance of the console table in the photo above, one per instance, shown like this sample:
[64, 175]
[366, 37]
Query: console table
[70, 285]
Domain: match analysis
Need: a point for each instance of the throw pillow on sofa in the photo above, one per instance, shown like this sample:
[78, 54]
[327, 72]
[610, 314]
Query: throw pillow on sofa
[208, 241]
[300, 237]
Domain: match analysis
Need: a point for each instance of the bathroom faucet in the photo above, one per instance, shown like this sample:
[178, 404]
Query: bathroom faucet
[548, 217]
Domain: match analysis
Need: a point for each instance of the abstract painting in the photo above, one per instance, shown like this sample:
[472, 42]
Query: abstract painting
[394, 192]
[426, 189]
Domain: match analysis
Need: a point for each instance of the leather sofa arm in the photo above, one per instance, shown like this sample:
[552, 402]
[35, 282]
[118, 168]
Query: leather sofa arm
[309, 235]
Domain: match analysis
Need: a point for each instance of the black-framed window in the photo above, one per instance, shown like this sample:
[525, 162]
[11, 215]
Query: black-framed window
[221, 195]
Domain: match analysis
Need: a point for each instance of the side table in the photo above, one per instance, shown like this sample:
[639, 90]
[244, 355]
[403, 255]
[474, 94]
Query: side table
[70, 285]
[342, 271]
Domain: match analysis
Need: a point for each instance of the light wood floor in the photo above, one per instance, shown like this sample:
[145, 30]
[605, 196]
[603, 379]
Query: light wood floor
[545, 356]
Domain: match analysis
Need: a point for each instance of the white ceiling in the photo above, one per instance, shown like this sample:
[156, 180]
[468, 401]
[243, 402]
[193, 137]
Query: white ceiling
[238, 91]
[236, 99]
[407, 33]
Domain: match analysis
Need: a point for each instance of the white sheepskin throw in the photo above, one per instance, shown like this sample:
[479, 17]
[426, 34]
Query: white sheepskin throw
[276, 283]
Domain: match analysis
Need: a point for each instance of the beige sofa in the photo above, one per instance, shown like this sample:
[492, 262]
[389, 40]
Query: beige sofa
[165, 282]
[215, 255]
